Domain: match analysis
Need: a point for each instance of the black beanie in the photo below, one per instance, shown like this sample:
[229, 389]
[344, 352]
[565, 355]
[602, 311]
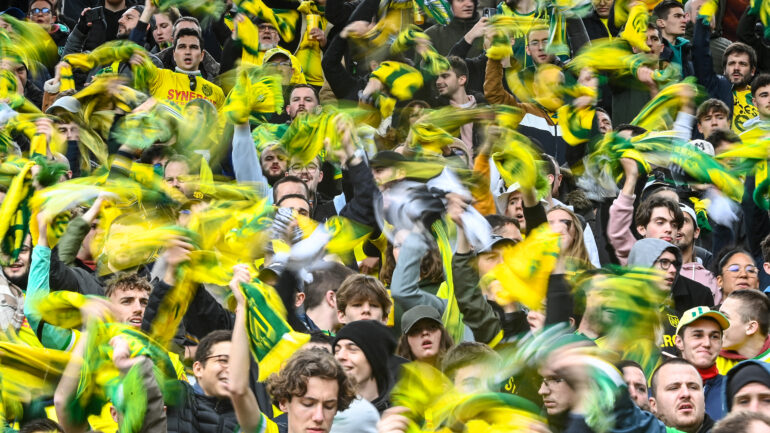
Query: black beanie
[377, 343]
[743, 374]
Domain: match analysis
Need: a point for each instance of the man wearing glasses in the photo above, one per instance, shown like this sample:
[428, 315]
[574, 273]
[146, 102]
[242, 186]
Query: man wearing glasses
[747, 336]
[685, 293]
[312, 174]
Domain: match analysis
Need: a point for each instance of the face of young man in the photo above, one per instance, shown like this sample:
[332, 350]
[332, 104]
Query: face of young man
[737, 333]
[686, 235]
[753, 397]
[301, 100]
[188, 53]
[130, 305]
[662, 225]
[557, 395]
[515, 208]
[314, 411]
[679, 401]
[637, 386]
[127, 22]
[653, 40]
[212, 374]
[738, 69]
[700, 342]
[310, 173]
[353, 361]
[762, 101]
[274, 164]
[675, 24]
[712, 121]
[70, 131]
[18, 271]
[605, 123]
[463, 9]
[362, 309]
[537, 45]
[667, 264]
[602, 7]
[448, 83]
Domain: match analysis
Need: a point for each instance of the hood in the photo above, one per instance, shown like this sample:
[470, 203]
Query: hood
[297, 76]
[752, 122]
[646, 251]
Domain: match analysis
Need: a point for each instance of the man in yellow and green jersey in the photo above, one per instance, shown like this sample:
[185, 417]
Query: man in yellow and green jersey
[183, 84]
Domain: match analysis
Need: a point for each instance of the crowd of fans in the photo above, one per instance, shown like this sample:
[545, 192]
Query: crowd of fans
[384, 216]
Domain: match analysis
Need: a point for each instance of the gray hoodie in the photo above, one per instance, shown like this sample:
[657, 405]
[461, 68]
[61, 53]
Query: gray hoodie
[646, 251]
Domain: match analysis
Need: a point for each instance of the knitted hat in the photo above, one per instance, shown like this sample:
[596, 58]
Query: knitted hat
[743, 374]
[377, 343]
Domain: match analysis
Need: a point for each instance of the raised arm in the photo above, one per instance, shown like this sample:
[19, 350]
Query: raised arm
[243, 398]
[38, 287]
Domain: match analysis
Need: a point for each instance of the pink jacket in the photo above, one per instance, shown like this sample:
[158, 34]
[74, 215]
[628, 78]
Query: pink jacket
[619, 226]
[696, 272]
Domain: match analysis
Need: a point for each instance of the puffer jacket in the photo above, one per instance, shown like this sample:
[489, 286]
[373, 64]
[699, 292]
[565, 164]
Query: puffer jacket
[199, 413]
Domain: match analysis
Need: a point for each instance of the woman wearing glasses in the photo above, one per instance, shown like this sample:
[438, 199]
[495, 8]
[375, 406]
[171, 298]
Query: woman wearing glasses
[736, 270]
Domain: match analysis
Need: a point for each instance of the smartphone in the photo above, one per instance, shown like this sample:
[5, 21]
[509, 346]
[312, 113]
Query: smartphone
[488, 12]
[94, 14]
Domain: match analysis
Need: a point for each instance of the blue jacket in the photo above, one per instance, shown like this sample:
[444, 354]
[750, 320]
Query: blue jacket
[714, 391]
[717, 85]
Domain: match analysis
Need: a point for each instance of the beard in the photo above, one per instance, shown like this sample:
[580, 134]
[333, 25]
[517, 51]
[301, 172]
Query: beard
[20, 282]
[273, 179]
[267, 46]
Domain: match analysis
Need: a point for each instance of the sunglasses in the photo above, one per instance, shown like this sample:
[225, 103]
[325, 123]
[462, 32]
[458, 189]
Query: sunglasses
[36, 11]
[193, 82]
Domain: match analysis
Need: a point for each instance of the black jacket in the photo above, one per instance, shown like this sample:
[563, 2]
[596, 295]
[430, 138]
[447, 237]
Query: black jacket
[198, 413]
[687, 294]
[717, 85]
[595, 27]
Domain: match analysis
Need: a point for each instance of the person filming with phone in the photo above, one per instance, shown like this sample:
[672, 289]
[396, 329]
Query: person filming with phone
[114, 19]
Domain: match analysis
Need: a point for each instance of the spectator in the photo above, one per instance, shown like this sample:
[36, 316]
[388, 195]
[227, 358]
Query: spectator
[676, 397]
[747, 336]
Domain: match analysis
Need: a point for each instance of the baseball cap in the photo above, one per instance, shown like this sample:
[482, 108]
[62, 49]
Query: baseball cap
[68, 103]
[702, 145]
[502, 200]
[496, 240]
[414, 315]
[696, 313]
[386, 158]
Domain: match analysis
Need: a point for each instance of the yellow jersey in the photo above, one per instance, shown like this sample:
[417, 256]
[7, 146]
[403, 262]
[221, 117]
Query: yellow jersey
[178, 87]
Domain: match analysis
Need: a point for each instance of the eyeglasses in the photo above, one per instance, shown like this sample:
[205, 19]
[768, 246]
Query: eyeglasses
[285, 63]
[536, 43]
[551, 382]
[222, 360]
[35, 11]
[267, 28]
[750, 269]
[297, 168]
[664, 264]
